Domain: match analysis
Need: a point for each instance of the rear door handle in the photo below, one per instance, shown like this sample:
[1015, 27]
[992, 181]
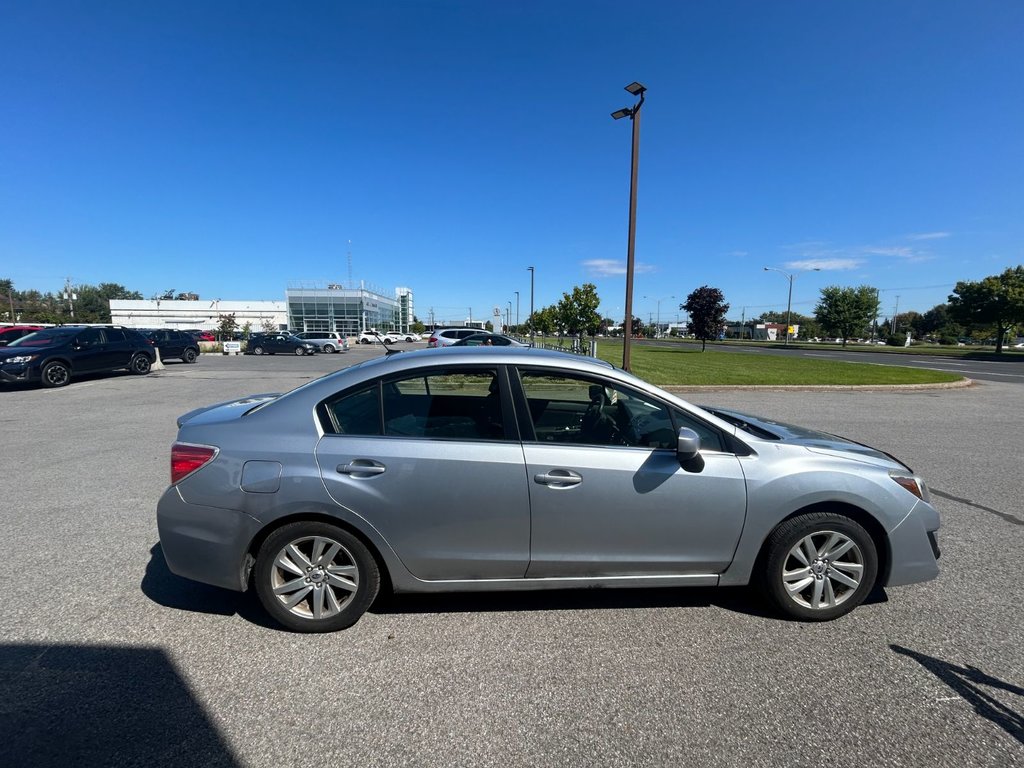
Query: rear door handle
[362, 467]
[558, 478]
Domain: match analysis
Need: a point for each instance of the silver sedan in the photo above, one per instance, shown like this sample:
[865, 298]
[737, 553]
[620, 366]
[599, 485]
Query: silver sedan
[508, 469]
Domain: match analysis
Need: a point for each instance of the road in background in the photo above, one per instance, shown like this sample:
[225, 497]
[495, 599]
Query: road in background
[107, 658]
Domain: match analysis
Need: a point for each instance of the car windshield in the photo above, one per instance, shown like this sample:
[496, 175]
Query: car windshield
[43, 338]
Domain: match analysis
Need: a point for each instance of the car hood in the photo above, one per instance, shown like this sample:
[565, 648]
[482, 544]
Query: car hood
[232, 409]
[813, 440]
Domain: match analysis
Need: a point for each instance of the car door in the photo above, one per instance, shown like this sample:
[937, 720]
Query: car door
[607, 493]
[90, 351]
[117, 349]
[430, 461]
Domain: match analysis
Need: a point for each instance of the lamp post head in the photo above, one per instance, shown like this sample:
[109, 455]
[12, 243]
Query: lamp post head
[621, 113]
[636, 88]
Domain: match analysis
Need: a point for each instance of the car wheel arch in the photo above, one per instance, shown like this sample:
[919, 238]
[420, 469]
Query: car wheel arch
[862, 517]
[374, 544]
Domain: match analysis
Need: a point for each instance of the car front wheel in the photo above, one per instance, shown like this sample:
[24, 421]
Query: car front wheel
[140, 365]
[55, 375]
[819, 566]
[315, 577]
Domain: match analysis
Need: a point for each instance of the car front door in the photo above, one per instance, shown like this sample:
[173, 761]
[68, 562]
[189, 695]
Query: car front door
[607, 492]
[429, 460]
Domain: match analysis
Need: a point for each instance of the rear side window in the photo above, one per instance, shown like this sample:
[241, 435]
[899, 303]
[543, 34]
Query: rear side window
[454, 404]
[356, 413]
[114, 334]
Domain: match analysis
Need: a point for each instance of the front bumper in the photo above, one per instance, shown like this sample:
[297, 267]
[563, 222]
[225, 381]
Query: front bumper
[17, 373]
[914, 547]
[206, 544]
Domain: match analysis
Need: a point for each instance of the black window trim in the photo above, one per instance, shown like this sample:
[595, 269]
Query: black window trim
[530, 436]
[508, 410]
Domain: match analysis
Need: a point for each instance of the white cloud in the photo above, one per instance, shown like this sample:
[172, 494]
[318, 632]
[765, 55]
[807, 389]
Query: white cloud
[825, 264]
[613, 267]
[929, 236]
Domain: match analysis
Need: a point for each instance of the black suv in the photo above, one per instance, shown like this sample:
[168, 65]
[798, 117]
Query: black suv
[173, 343]
[269, 343]
[53, 355]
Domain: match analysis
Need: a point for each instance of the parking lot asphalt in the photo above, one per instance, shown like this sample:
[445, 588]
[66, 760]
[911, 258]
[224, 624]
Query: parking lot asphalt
[108, 659]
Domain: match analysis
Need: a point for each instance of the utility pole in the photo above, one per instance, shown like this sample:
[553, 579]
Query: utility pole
[70, 296]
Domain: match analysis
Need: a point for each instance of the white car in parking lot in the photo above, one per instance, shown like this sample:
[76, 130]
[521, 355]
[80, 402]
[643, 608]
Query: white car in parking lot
[326, 341]
[376, 337]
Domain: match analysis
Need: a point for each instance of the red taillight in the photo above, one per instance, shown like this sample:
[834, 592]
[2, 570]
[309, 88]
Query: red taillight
[186, 459]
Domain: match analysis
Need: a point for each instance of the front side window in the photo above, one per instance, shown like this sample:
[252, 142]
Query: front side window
[570, 409]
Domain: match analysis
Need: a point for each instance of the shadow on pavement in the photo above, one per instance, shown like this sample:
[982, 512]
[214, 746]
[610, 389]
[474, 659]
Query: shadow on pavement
[171, 591]
[78, 705]
[965, 682]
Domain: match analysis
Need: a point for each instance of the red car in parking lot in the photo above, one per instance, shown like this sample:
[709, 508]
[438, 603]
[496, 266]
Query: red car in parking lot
[11, 332]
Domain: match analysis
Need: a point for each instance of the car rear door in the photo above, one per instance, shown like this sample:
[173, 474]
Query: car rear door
[431, 461]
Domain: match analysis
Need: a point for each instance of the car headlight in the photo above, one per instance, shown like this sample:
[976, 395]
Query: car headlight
[21, 359]
[912, 483]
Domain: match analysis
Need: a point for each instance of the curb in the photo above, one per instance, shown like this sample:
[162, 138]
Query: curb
[677, 388]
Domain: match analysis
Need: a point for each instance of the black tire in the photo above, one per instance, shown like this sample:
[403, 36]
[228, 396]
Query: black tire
[140, 365]
[189, 356]
[55, 374]
[300, 351]
[784, 563]
[257, 350]
[361, 576]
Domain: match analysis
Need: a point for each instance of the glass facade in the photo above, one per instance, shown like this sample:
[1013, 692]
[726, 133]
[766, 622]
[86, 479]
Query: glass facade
[345, 310]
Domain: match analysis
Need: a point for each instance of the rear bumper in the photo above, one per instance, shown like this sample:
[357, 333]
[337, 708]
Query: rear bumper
[206, 544]
[914, 547]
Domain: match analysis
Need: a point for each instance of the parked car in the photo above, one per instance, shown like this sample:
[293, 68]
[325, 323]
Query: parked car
[173, 343]
[11, 333]
[486, 339]
[325, 341]
[407, 336]
[515, 469]
[272, 343]
[448, 336]
[53, 356]
[376, 337]
[203, 335]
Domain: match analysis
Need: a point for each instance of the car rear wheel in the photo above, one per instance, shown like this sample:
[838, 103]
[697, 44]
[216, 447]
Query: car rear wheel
[257, 350]
[315, 577]
[329, 349]
[819, 566]
[140, 365]
[189, 356]
[55, 375]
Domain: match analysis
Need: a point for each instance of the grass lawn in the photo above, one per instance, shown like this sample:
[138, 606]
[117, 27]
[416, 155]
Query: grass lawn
[687, 365]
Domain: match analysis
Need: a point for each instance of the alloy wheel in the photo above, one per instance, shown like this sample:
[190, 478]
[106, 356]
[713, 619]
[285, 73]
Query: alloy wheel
[314, 577]
[823, 570]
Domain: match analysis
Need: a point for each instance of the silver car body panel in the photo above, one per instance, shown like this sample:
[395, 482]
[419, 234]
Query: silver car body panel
[471, 514]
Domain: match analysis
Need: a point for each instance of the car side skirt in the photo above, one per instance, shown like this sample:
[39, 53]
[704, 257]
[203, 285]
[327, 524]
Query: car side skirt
[516, 585]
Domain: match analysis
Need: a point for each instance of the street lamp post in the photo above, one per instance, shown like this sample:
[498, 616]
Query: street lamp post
[657, 332]
[508, 314]
[633, 113]
[532, 333]
[517, 311]
[789, 301]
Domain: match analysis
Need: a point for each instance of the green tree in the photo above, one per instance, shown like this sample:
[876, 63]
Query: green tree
[577, 311]
[417, 327]
[93, 304]
[226, 326]
[995, 302]
[267, 324]
[545, 321]
[846, 312]
[7, 299]
[707, 309]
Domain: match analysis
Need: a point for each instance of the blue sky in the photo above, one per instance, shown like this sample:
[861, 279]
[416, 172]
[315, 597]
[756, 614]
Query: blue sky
[233, 148]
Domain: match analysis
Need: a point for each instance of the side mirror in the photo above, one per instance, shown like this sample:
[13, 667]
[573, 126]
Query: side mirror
[687, 445]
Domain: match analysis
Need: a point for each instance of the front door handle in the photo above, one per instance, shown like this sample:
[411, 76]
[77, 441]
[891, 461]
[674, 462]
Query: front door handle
[558, 478]
[362, 467]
